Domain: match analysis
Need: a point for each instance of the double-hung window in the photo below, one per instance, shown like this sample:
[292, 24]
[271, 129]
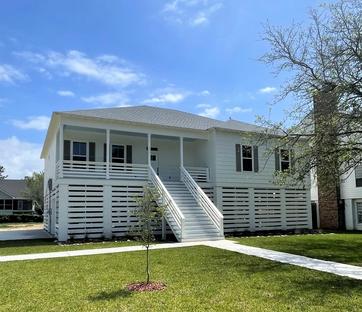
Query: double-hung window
[118, 154]
[79, 151]
[284, 159]
[247, 154]
[358, 175]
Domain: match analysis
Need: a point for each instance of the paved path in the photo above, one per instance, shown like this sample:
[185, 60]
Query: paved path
[341, 269]
[351, 271]
[23, 234]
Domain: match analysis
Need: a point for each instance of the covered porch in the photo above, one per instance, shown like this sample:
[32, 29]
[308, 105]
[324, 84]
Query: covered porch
[94, 153]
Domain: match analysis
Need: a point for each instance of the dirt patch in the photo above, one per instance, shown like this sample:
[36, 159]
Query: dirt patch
[143, 286]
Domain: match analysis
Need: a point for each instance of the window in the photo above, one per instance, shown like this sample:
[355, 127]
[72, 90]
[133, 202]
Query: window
[79, 151]
[118, 154]
[359, 212]
[8, 204]
[247, 154]
[358, 176]
[284, 159]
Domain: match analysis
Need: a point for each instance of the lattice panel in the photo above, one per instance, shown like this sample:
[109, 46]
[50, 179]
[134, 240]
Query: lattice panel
[268, 210]
[85, 211]
[235, 205]
[296, 209]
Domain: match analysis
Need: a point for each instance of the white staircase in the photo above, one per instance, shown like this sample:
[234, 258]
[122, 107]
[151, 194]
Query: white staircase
[197, 225]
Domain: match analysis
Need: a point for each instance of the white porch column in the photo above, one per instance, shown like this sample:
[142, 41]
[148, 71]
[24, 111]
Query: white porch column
[108, 140]
[149, 148]
[251, 209]
[348, 211]
[61, 149]
[283, 206]
[181, 151]
[63, 213]
[107, 211]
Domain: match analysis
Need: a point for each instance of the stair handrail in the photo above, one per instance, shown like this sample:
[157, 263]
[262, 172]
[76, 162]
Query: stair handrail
[203, 200]
[168, 201]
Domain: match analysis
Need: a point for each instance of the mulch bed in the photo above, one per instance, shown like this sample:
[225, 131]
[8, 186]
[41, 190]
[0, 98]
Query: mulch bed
[143, 286]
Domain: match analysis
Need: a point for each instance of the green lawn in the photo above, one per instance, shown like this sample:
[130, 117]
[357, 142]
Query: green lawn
[198, 279]
[344, 248]
[47, 245]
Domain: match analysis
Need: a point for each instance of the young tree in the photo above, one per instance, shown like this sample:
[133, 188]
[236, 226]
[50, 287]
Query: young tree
[35, 190]
[2, 170]
[323, 65]
[149, 214]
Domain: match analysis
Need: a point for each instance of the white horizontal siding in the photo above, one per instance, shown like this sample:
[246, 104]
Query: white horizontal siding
[348, 186]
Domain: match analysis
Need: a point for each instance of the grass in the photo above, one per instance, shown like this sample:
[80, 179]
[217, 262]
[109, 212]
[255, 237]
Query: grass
[197, 278]
[47, 245]
[344, 248]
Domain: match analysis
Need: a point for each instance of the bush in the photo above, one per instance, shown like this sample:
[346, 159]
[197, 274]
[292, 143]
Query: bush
[21, 218]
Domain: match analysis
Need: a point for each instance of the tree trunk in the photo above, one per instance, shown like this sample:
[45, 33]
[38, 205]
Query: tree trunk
[148, 264]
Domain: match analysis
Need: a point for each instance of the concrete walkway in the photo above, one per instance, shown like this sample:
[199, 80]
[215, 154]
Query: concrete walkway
[336, 268]
[6, 235]
[346, 270]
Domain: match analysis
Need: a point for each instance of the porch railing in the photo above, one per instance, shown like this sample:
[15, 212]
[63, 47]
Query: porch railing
[100, 170]
[199, 174]
[173, 214]
[207, 205]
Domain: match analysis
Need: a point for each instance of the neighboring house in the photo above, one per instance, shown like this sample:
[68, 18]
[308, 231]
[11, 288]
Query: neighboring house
[12, 200]
[212, 174]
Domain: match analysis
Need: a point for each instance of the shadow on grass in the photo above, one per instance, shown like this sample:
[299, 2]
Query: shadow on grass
[27, 243]
[104, 295]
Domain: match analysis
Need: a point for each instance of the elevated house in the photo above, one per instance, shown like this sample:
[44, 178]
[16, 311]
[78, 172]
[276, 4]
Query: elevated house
[212, 174]
[12, 200]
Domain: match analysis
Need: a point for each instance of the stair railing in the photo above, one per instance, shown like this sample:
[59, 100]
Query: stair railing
[203, 200]
[172, 213]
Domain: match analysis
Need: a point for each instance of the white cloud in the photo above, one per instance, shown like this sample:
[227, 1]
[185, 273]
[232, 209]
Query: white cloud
[211, 112]
[204, 93]
[10, 74]
[107, 69]
[167, 95]
[66, 93]
[203, 105]
[34, 122]
[107, 99]
[267, 90]
[191, 12]
[20, 158]
[238, 109]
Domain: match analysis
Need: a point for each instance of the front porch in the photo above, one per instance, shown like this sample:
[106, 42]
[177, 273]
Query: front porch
[111, 154]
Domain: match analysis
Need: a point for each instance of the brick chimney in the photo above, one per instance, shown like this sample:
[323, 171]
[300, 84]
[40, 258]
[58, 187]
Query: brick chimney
[325, 109]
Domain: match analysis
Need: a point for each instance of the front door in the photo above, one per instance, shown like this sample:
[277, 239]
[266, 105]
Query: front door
[154, 161]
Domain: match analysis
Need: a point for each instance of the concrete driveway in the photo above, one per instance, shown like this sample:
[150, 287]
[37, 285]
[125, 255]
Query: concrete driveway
[6, 235]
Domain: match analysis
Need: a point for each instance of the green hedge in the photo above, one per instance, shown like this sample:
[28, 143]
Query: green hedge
[21, 218]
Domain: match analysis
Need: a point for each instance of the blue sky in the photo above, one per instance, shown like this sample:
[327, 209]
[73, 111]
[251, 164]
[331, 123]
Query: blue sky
[199, 56]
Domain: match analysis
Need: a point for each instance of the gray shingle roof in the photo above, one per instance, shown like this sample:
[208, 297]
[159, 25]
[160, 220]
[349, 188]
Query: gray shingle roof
[164, 117]
[13, 188]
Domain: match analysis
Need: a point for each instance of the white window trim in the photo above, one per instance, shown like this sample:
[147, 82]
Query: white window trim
[252, 158]
[280, 158]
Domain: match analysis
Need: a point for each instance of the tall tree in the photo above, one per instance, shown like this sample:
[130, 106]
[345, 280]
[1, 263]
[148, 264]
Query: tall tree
[323, 65]
[35, 190]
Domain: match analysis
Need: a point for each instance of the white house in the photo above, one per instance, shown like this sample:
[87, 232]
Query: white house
[211, 173]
